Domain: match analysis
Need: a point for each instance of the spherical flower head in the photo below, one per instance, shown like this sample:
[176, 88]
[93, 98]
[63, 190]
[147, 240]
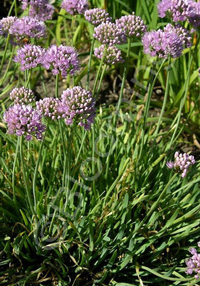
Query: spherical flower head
[176, 9]
[131, 25]
[41, 9]
[29, 56]
[184, 34]
[27, 27]
[79, 106]
[194, 13]
[97, 16]
[24, 120]
[62, 59]
[162, 44]
[193, 263]
[109, 33]
[5, 24]
[181, 163]
[111, 54]
[22, 95]
[50, 107]
[75, 6]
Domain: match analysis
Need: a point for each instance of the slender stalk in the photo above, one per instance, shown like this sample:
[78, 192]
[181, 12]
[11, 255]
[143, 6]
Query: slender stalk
[5, 51]
[14, 166]
[124, 74]
[164, 101]
[24, 176]
[8, 66]
[89, 63]
[147, 106]
[178, 116]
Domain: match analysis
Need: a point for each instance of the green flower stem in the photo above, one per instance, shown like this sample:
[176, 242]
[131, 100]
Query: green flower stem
[98, 73]
[24, 176]
[124, 76]
[152, 81]
[14, 166]
[176, 121]
[5, 51]
[8, 66]
[89, 63]
[155, 204]
[36, 172]
[164, 101]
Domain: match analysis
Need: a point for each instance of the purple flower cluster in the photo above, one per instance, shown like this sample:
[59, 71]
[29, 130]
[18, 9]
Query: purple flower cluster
[75, 6]
[62, 59]
[78, 106]
[24, 120]
[29, 56]
[182, 163]
[22, 95]
[27, 27]
[131, 25]
[109, 33]
[193, 263]
[162, 44]
[50, 107]
[194, 13]
[112, 54]
[40, 9]
[183, 34]
[177, 9]
[5, 24]
[97, 16]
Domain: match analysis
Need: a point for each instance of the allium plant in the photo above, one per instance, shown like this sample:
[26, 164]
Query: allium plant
[75, 6]
[62, 59]
[97, 16]
[27, 27]
[177, 9]
[5, 24]
[24, 120]
[183, 34]
[109, 33]
[78, 106]
[29, 56]
[50, 107]
[181, 163]
[112, 55]
[162, 44]
[40, 9]
[22, 95]
[194, 13]
[193, 263]
[131, 25]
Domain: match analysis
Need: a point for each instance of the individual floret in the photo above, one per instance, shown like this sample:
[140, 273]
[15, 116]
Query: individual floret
[78, 106]
[97, 16]
[62, 59]
[75, 6]
[181, 163]
[29, 56]
[24, 120]
[112, 55]
[109, 33]
[132, 25]
[22, 95]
